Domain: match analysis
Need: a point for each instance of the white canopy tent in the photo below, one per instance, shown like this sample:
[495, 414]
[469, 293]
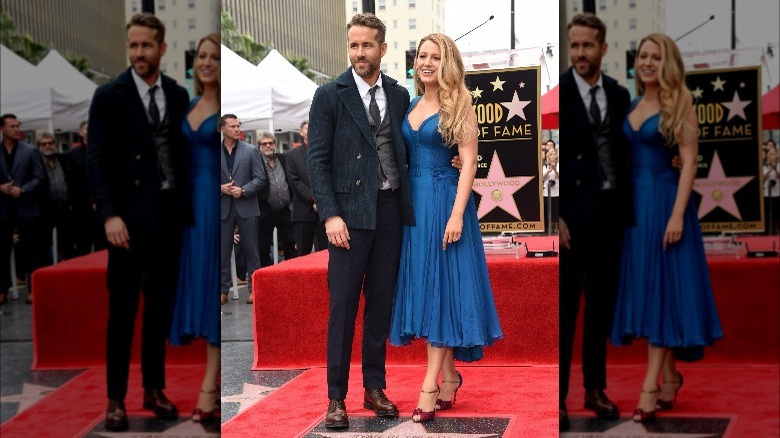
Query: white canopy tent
[37, 99]
[244, 93]
[292, 91]
[56, 66]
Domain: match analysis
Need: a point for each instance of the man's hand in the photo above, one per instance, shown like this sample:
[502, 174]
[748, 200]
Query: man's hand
[236, 191]
[677, 162]
[563, 234]
[337, 232]
[6, 188]
[225, 188]
[116, 232]
[457, 163]
[16, 191]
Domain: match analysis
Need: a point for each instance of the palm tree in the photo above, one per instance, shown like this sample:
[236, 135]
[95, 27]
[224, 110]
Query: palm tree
[81, 63]
[242, 44]
[302, 63]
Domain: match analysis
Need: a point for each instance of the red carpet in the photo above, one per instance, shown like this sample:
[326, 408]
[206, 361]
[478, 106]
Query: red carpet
[525, 395]
[291, 313]
[747, 295]
[70, 314]
[79, 405]
[748, 395]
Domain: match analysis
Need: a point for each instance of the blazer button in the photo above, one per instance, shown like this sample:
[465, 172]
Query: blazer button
[579, 156]
[138, 183]
[578, 182]
[359, 156]
[138, 157]
[358, 182]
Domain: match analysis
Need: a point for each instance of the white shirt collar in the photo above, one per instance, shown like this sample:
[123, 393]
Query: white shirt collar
[142, 86]
[584, 87]
[362, 85]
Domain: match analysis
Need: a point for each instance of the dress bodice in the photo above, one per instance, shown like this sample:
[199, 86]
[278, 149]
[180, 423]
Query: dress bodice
[428, 154]
[204, 143]
[650, 153]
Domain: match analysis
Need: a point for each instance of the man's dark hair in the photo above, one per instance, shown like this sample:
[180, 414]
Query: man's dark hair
[8, 116]
[550, 140]
[369, 20]
[590, 20]
[303, 123]
[223, 119]
[148, 20]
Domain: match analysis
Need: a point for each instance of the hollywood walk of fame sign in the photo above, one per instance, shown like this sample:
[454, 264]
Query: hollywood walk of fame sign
[727, 189]
[508, 187]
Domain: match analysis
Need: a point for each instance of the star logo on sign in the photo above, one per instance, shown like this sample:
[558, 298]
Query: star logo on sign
[498, 84]
[476, 93]
[515, 107]
[717, 190]
[736, 107]
[522, 84]
[250, 395]
[717, 84]
[497, 190]
[697, 93]
[742, 84]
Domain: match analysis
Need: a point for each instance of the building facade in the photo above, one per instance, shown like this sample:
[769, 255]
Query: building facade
[407, 22]
[88, 28]
[301, 28]
[627, 21]
[186, 22]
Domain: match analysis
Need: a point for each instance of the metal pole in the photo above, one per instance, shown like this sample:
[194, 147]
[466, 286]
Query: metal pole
[512, 27]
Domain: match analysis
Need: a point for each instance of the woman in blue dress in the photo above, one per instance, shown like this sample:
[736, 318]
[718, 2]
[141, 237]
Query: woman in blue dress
[197, 310]
[664, 294]
[443, 291]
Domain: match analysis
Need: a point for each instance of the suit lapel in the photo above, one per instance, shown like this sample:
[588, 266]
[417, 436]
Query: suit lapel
[128, 95]
[350, 97]
[578, 107]
[223, 161]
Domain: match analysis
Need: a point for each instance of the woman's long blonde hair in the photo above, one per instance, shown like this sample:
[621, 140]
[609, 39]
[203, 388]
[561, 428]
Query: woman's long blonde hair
[199, 87]
[674, 96]
[454, 97]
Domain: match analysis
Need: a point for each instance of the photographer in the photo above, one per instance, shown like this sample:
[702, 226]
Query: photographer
[771, 190]
[550, 189]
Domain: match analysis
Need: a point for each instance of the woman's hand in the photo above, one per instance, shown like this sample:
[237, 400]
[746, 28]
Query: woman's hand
[674, 229]
[453, 231]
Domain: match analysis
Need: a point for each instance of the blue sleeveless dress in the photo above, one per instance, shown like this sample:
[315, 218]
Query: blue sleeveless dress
[443, 296]
[664, 296]
[197, 309]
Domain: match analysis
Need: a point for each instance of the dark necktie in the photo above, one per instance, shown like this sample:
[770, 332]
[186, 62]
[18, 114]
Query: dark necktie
[154, 110]
[373, 109]
[595, 112]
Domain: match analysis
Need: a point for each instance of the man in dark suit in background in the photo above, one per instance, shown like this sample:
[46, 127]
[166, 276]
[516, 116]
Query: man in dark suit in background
[274, 200]
[138, 163]
[21, 176]
[357, 165]
[595, 206]
[242, 177]
[306, 224]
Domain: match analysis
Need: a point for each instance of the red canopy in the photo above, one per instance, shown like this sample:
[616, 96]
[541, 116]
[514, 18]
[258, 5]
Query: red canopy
[550, 109]
[770, 104]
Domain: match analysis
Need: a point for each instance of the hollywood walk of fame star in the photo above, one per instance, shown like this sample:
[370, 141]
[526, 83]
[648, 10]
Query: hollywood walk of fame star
[497, 189]
[522, 84]
[183, 428]
[29, 395]
[515, 107]
[476, 93]
[631, 429]
[697, 93]
[498, 84]
[405, 429]
[717, 190]
[718, 84]
[250, 395]
[736, 107]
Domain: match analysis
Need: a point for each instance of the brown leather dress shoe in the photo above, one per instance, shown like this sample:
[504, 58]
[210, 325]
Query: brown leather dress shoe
[223, 298]
[3, 298]
[597, 400]
[337, 415]
[116, 416]
[250, 299]
[376, 400]
[155, 400]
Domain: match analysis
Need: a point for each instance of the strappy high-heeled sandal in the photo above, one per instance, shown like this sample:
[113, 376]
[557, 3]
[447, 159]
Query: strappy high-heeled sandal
[642, 416]
[443, 405]
[201, 416]
[665, 405]
[423, 416]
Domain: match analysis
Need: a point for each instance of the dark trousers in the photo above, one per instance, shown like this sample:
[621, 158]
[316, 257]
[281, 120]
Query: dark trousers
[371, 264]
[25, 249]
[305, 233]
[150, 267]
[284, 235]
[591, 265]
[247, 231]
[54, 215]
